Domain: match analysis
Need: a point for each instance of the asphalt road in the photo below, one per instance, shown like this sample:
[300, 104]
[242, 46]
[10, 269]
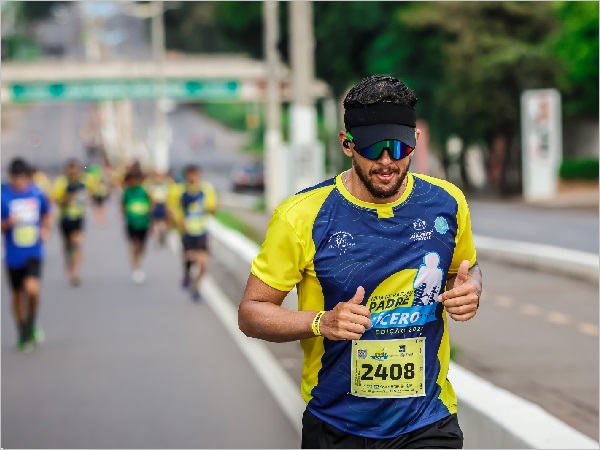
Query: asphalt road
[127, 366]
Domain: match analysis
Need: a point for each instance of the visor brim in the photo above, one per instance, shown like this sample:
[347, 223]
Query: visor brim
[368, 135]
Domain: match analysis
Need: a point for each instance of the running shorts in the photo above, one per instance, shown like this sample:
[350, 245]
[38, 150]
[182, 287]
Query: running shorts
[33, 268]
[137, 234]
[444, 433]
[192, 243]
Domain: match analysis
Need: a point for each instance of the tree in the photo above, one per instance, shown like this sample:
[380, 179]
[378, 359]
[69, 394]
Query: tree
[577, 46]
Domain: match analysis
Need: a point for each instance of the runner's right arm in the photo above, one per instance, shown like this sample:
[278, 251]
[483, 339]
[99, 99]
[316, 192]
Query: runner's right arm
[275, 271]
[7, 221]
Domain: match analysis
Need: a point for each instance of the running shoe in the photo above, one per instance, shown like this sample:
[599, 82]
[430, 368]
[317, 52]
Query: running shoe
[196, 297]
[38, 336]
[185, 282]
[75, 281]
[138, 276]
[25, 347]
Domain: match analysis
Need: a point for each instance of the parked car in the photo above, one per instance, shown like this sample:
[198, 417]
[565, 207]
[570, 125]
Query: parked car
[248, 176]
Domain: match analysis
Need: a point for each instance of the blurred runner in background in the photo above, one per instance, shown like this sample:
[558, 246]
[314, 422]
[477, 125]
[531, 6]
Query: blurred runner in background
[158, 185]
[70, 194]
[99, 183]
[26, 223]
[136, 207]
[189, 205]
[41, 180]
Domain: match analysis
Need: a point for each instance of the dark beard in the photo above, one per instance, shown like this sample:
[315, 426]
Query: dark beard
[375, 191]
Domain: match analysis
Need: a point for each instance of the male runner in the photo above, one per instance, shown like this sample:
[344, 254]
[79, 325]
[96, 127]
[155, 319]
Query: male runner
[26, 222]
[136, 207]
[100, 190]
[189, 205]
[380, 258]
[70, 194]
[158, 185]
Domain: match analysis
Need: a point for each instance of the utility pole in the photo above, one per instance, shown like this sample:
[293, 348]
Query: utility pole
[274, 158]
[161, 139]
[308, 155]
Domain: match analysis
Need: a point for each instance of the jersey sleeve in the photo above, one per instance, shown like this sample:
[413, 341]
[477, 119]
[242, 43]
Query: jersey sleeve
[5, 211]
[58, 191]
[45, 206]
[465, 247]
[173, 200]
[281, 260]
[211, 196]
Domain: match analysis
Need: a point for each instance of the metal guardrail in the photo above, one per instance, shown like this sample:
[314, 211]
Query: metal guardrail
[490, 417]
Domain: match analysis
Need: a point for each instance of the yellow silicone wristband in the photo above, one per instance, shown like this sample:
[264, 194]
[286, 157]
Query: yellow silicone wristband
[316, 323]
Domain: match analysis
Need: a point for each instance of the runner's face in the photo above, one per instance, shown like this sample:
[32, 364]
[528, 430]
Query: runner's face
[193, 178]
[73, 172]
[383, 177]
[19, 182]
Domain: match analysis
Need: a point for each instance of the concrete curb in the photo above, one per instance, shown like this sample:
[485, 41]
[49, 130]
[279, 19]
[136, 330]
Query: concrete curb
[490, 416]
[559, 260]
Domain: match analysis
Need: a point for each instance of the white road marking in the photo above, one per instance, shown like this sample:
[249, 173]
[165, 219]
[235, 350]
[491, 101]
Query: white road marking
[588, 328]
[558, 317]
[530, 310]
[503, 301]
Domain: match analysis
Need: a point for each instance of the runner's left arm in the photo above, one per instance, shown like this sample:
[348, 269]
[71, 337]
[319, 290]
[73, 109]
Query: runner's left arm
[212, 202]
[46, 222]
[7, 222]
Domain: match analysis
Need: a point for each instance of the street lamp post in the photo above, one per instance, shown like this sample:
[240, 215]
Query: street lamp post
[275, 165]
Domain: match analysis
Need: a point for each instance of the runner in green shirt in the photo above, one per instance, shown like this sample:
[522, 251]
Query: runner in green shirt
[136, 206]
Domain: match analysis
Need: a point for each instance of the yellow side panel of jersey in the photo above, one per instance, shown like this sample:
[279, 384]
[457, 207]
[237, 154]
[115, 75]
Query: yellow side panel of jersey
[447, 395]
[465, 247]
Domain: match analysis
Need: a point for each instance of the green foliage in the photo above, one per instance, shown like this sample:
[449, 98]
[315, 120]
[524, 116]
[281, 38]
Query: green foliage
[490, 53]
[454, 352]
[579, 169]
[32, 11]
[19, 47]
[577, 47]
[232, 115]
[231, 221]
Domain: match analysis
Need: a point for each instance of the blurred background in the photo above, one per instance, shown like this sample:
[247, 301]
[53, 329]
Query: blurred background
[251, 91]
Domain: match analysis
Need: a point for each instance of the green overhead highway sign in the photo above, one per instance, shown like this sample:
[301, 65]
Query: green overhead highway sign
[124, 89]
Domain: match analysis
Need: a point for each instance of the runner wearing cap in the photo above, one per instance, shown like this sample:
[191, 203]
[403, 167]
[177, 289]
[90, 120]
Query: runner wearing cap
[380, 258]
[26, 222]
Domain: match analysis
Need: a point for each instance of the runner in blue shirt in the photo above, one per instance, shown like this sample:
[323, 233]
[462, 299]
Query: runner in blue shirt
[26, 221]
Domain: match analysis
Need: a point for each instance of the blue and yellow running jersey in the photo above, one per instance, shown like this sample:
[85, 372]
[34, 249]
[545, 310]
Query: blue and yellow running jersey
[71, 197]
[189, 208]
[327, 243]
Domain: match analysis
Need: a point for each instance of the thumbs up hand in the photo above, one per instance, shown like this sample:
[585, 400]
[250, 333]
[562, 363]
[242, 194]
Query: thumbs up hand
[348, 320]
[462, 300]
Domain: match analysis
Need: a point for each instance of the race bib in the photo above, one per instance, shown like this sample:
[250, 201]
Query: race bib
[74, 211]
[194, 226]
[76, 207]
[389, 368]
[139, 208]
[160, 193]
[25, 235]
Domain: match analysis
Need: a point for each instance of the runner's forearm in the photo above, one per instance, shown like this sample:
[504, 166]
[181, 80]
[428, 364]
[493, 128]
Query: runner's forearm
[271, 322]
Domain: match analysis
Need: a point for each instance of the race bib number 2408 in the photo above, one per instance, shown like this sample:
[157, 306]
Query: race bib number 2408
[392, 368]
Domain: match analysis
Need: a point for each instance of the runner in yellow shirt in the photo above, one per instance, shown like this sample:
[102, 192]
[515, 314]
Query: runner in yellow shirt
[189, 205]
